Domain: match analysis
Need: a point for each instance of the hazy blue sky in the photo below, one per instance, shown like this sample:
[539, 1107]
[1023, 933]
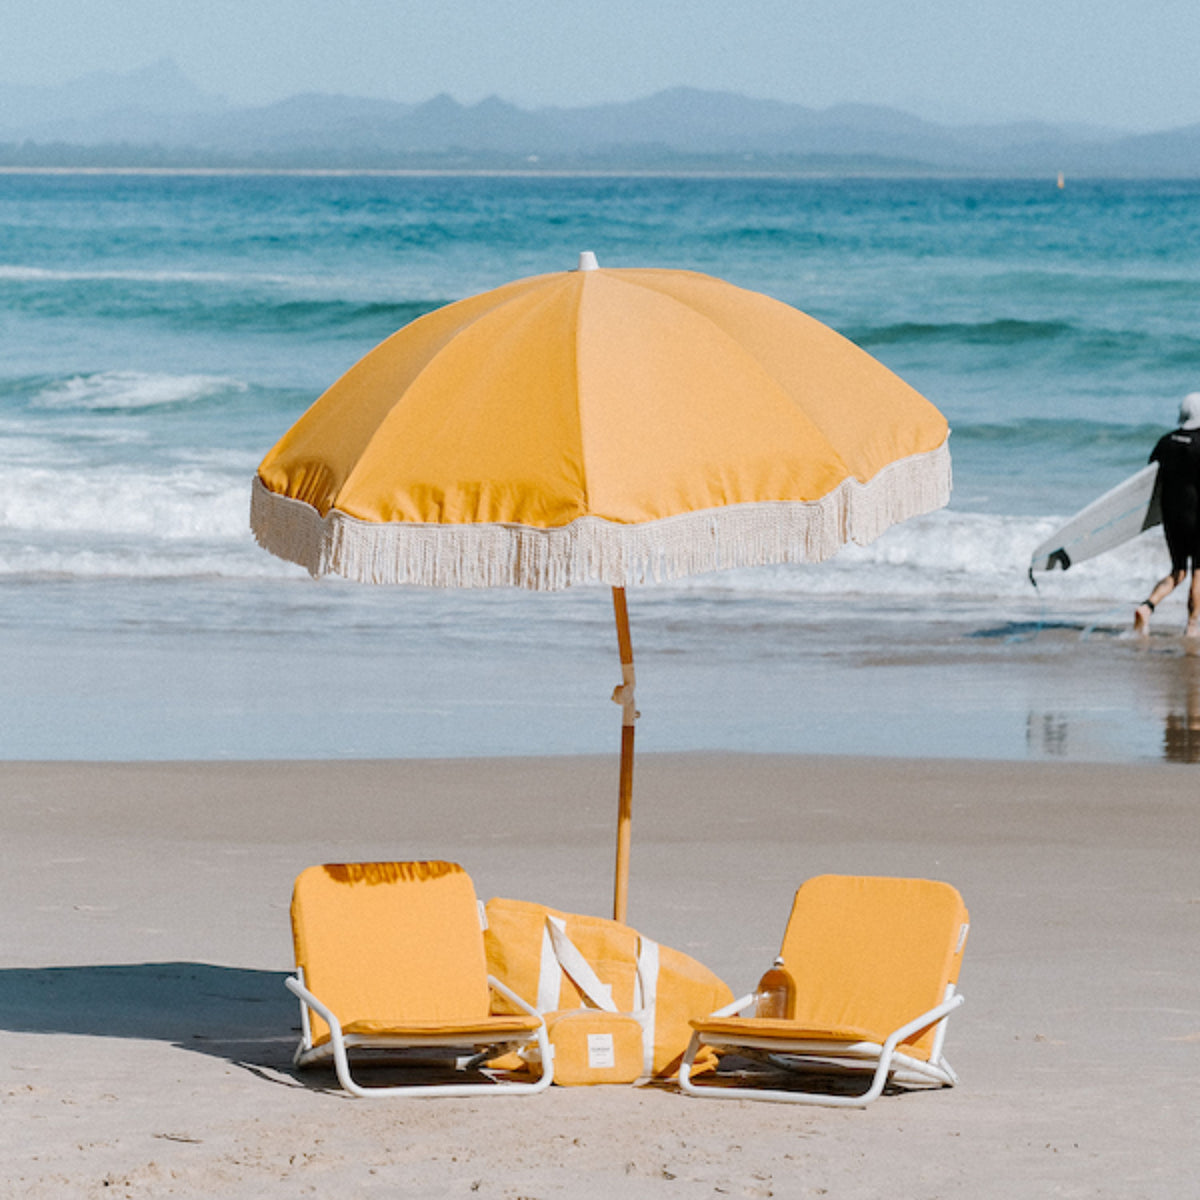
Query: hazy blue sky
[1112, 62]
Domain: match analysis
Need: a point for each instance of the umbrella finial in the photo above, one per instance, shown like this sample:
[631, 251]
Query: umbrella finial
[587, 261]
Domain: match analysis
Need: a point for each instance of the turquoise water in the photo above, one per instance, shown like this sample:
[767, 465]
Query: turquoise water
[158, 333]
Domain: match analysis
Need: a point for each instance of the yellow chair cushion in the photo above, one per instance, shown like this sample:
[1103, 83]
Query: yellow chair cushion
[391, 944]
[494, 1029]
[867, 955]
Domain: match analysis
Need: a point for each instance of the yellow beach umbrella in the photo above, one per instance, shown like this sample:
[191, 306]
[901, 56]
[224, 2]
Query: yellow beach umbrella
[613, 426]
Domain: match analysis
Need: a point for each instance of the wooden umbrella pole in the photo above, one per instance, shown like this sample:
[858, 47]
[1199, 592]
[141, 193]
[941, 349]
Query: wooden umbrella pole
[623, 694]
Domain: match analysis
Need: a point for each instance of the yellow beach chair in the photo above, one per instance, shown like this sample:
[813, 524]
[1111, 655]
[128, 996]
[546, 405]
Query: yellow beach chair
[390, 957]
[875, 963]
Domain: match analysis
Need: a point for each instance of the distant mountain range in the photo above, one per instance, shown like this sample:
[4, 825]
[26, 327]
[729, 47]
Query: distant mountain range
[159, 117]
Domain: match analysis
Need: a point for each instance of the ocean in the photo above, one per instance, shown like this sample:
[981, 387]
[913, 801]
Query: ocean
[159, 332]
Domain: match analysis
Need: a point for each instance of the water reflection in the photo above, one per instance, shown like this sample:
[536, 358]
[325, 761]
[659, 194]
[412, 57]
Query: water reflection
[1181, 731]
[1146, 706]
[1046, 734]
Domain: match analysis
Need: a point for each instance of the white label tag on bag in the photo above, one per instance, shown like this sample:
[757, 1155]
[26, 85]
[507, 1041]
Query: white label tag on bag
[601, 1053]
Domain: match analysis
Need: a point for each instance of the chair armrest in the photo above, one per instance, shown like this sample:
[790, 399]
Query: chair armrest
[297, 988]
[512, 996]
[734, 1008]
[922, 1022]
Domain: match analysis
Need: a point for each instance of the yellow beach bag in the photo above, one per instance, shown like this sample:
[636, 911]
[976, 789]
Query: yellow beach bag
[617, 1004]
[592, 1046]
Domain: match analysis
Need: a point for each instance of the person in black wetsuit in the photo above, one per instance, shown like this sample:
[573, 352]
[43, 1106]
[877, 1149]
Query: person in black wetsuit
[1178, 458]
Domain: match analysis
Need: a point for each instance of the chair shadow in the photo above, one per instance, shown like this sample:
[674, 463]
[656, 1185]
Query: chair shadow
[747, 1071]
[244, 1016]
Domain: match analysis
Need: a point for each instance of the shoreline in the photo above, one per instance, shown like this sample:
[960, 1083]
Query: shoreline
[505, 679]
[149, 1036]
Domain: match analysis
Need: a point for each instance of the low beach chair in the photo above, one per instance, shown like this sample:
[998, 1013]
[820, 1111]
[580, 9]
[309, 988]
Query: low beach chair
[390, 958]
[874, 963]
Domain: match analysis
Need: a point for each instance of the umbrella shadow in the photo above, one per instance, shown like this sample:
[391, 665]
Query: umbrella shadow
[241, 1015]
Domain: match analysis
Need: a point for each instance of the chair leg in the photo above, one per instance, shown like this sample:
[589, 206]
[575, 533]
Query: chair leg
[879, 1080]
[825, 1099]
[341, 1063]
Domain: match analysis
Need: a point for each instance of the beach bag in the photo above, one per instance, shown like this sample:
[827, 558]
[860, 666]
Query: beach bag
[592, 1046]
[617, 1005]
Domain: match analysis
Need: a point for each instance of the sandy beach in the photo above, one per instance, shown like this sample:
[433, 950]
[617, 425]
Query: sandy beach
[147, 1036]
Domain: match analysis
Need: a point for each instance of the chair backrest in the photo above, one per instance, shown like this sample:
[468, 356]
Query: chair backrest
[873, 952]
[391, 942]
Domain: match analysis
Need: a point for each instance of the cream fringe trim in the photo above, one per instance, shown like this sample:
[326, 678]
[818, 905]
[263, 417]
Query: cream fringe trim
[592, 550]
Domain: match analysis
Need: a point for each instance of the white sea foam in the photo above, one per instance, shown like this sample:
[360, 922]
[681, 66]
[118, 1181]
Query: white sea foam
[172, 505]
[16, 273]
[957, 555]
[299, 283]
[193, 520]
[148, 562]
[132, 390]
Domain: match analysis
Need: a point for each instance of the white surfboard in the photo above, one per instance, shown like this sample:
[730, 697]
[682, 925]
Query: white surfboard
[1117, 516]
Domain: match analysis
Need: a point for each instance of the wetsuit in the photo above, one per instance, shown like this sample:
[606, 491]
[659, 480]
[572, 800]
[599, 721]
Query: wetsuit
[1178, 458]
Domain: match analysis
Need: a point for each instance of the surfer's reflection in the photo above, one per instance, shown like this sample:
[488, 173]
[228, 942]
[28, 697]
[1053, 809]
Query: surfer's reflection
[1046, 734]
[1181, 732]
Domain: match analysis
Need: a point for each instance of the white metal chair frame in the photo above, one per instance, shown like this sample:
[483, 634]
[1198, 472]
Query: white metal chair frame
[829, 1054]
[340, 1044]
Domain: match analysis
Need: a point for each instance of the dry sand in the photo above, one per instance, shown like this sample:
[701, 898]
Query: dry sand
[145, 1034]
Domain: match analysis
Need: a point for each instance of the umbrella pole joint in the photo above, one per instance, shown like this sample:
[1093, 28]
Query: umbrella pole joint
[623, 694]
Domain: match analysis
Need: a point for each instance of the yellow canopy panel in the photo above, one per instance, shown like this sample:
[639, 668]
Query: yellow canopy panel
[600, 425]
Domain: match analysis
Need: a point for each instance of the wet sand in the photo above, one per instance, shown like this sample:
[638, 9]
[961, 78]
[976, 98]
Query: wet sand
[533, 676]
[146, 1035]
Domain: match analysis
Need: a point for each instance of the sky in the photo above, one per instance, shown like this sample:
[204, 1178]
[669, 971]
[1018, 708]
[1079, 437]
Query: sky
[1103, 62]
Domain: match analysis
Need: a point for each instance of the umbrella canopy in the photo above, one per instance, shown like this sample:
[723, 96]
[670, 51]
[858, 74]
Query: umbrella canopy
[613, 426]
[599, 425]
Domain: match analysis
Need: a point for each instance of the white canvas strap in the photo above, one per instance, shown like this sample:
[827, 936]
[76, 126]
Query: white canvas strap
[560, 955]
[550, 972]
[647, 999]
[577, 968]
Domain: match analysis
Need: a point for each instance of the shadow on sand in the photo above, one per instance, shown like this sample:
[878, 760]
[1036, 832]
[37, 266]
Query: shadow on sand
[244, 1016]
[1029, 631]
[247, 1018]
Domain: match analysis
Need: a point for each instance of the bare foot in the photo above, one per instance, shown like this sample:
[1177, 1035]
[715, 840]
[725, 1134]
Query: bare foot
[1141, 619]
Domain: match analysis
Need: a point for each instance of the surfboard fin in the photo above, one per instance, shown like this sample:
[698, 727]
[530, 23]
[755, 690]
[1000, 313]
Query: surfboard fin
[1057, 558]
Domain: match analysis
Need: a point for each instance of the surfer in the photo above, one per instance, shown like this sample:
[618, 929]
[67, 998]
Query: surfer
[1178, 458]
